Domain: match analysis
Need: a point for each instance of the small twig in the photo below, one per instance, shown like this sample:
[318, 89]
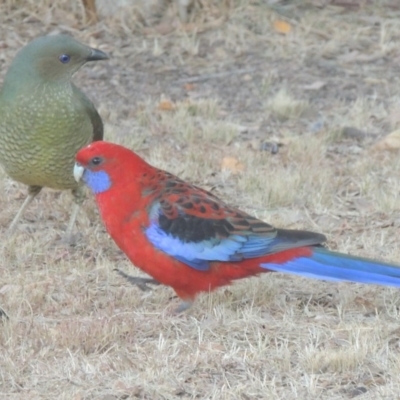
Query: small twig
[216, 75]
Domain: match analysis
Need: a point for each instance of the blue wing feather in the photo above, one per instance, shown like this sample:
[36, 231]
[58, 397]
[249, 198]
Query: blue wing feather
[196, 241]
[198, 254]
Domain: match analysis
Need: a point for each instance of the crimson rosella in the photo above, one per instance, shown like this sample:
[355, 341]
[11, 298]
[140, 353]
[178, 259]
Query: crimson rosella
[186, 238]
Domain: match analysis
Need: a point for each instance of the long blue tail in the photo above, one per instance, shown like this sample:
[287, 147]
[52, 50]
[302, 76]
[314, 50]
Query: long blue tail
[331, 266]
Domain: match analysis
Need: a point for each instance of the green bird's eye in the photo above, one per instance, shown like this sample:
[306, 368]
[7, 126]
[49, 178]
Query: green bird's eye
[64, 58]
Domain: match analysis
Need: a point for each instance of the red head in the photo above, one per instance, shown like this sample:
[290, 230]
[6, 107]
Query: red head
[102, 165]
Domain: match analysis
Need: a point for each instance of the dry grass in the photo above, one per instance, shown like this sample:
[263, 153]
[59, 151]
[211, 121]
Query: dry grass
[79, 331]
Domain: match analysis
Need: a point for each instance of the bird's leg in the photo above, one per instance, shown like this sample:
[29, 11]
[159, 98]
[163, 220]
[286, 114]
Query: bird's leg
[183, 8]
[79, 198]
[187, 301]
[32, 193]
[140, 282]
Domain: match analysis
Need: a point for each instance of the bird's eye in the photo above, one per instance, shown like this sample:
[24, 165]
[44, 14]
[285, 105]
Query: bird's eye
[96, 161]
[64, 58]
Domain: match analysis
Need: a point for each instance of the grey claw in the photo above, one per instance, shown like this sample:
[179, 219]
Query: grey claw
[3, 315]
[141, 283]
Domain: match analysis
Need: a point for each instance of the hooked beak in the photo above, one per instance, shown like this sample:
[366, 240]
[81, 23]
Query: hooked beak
[78, 172]
[97, 55]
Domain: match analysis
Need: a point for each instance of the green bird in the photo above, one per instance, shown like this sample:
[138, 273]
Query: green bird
[45, 119]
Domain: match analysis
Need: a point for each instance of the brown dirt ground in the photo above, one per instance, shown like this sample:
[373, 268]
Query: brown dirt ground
[300, 114]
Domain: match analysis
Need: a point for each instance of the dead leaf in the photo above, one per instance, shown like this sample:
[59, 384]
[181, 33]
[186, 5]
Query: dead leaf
[189, 86]
[120, 385]
[390, 142]
[363, 302]
[282, 26]
[163, 28]
[166, 105]
[232, 164]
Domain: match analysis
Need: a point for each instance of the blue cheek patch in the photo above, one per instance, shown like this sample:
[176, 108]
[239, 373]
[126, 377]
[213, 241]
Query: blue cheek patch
[98, 181]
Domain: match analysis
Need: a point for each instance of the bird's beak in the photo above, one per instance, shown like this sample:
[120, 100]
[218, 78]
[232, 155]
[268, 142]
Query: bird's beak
[78, 172]
[96, 55]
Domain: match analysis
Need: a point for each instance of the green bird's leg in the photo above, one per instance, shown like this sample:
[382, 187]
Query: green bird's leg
[32, 193]
[79, 198]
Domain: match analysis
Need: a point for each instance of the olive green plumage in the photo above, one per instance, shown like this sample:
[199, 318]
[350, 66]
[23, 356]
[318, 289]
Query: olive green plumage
[44, 118]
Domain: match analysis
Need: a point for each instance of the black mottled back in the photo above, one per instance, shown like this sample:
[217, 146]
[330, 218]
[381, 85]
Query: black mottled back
[192, 214]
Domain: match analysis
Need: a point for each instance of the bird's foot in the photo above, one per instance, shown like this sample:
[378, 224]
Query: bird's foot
[141, 283]
[69, 240]
[184, 306]
[3, 315]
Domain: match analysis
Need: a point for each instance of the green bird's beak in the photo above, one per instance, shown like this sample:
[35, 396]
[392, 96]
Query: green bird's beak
[96, 55]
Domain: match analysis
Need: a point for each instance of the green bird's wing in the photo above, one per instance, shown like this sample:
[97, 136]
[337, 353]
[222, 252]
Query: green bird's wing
[95, 118]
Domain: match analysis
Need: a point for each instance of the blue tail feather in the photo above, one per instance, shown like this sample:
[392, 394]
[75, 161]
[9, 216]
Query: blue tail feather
[331, 266]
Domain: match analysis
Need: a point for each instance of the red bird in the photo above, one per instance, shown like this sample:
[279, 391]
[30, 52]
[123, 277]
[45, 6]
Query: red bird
[187, 238]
